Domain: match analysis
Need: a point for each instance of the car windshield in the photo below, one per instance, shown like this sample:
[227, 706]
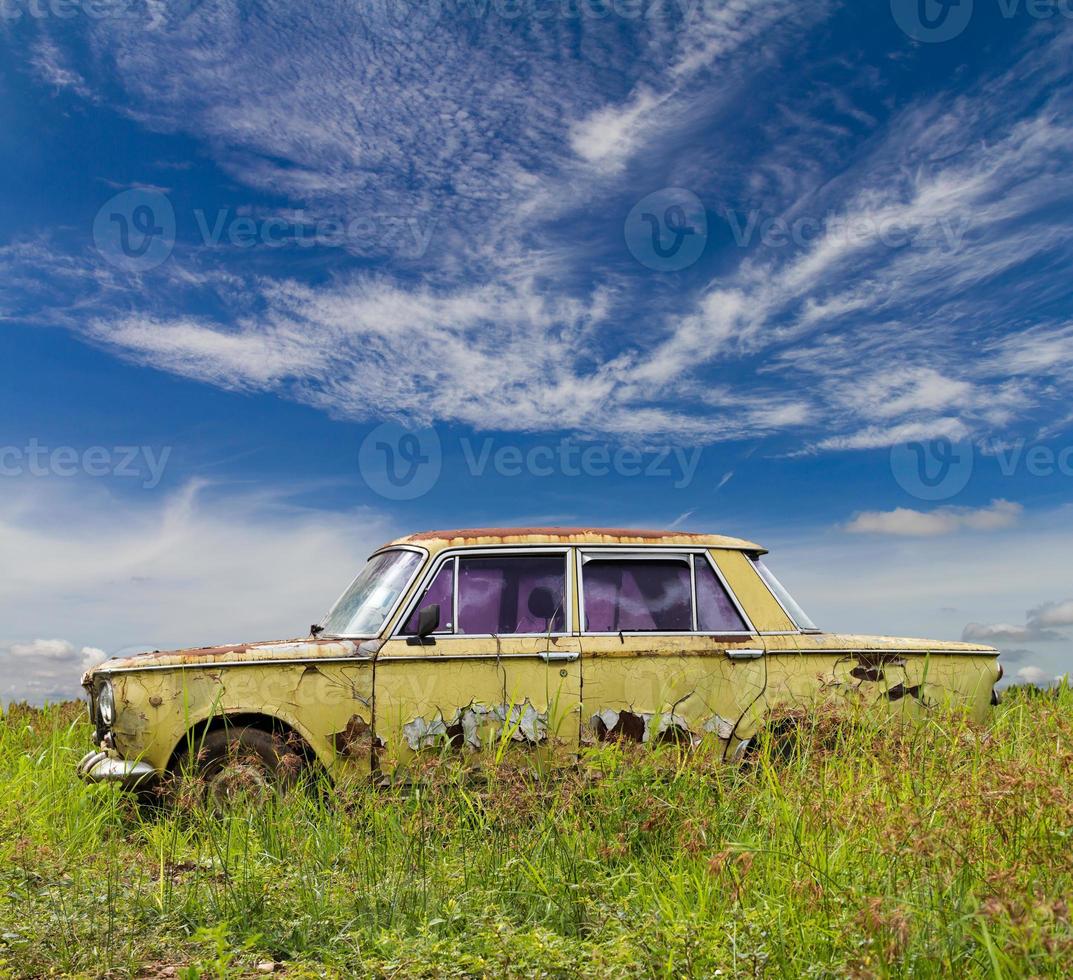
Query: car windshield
[366, 605]
[787, 601]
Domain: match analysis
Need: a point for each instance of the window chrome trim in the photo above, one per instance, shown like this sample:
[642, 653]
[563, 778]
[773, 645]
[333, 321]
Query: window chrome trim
[456, 555]
[687, 554]
[403, 592]
[104, 669]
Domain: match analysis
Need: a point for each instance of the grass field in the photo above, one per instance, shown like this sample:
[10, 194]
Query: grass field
[945, 851]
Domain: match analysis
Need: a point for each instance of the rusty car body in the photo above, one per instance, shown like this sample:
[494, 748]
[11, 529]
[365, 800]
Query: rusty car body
[459, 640]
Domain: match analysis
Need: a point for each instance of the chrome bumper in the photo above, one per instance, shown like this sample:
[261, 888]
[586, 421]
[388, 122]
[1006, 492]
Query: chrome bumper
[99, 767]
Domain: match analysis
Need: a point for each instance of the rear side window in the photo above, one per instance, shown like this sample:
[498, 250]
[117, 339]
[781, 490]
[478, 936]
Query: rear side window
[512, 594]
[655, 595]
[716, 612]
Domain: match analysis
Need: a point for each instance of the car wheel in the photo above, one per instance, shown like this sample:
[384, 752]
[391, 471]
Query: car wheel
[237, 765]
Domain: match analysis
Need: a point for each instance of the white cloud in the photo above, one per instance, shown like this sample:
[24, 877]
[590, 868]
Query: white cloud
[44, 670]
[903, 521]
[1035, 675]
[611, 134]
[1053, 614]
[206, 565]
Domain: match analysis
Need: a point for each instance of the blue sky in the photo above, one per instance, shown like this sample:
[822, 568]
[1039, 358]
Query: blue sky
[735, 266]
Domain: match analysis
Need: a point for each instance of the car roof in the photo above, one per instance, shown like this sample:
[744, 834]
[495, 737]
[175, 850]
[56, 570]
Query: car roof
[436, 540]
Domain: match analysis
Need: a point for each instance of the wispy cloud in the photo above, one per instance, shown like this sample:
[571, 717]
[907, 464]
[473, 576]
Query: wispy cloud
[518, 316]
[48, 62]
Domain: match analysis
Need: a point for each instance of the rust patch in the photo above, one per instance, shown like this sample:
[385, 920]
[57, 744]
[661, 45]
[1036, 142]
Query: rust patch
[355, 739]
[628, 727]
[863, 673]
[577, 535]
[633, 726]
[554, 532]
[916, 692]
[870, 666]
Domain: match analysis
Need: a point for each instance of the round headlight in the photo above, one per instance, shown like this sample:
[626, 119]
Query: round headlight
[106, 703]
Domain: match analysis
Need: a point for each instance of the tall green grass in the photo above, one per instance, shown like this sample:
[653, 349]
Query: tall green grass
[857, 849]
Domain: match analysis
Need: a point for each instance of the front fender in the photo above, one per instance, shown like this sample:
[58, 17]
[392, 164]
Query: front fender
[328, 704]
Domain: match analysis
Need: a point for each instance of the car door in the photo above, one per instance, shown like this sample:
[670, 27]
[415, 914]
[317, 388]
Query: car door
[502, 668]
[667, 651]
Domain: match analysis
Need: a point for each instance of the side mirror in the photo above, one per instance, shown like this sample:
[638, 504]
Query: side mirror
[428, 620]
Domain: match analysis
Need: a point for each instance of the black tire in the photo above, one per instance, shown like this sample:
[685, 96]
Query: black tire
[233, 764]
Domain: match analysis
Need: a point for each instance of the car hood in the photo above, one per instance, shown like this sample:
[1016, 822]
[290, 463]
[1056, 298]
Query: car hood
[273, 650]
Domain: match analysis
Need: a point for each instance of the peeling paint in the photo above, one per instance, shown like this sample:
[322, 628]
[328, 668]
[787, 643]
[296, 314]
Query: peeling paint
[524, 723]
[643, 726]
[722, 727]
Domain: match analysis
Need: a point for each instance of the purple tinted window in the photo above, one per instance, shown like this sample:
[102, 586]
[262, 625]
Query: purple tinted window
[440, 591]
[715, 611]
[512, 594]
[637, 596]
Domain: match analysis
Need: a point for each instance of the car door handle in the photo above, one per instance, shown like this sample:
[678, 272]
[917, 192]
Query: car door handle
[559, 656]
[744, 654]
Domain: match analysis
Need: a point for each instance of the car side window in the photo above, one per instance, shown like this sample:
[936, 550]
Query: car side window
[512, 594]
[716, 612]
[441, 592]
[637, 595]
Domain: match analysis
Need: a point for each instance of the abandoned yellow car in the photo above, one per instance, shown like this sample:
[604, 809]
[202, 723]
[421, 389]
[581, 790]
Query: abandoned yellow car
[462, 640]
